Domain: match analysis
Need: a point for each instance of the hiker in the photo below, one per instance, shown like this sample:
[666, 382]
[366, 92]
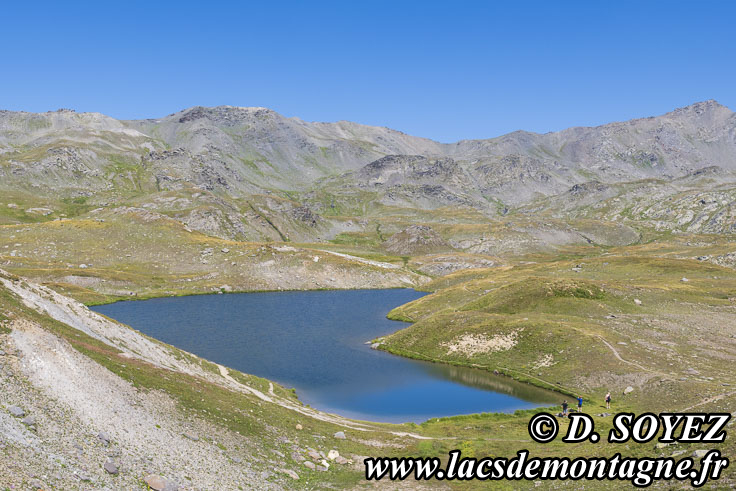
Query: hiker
[580, 404]
[608, 401]
[564, 408]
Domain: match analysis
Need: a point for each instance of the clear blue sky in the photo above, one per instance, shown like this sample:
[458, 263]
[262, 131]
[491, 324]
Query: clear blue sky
[444, 70]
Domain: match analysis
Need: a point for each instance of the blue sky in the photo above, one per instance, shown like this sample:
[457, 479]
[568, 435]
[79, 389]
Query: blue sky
[443, 70]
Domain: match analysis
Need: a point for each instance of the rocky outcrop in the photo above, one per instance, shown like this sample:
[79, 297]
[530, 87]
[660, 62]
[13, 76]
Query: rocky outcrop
[415, 240]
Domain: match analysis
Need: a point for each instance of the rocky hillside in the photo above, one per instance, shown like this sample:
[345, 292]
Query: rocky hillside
[250, 174]
[239, 150]
[88, 403]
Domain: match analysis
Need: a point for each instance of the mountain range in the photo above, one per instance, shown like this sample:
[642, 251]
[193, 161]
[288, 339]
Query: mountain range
[253, 174]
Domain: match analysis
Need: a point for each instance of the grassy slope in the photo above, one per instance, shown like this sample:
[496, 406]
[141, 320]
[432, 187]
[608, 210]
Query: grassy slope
[552, 309]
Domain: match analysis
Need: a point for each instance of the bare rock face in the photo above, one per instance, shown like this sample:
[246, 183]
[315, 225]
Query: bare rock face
[417, 239]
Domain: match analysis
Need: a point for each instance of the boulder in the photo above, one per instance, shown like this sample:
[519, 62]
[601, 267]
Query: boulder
[111, 468]
[340, 435]
[104, 437]
[309, 465]
[628, 390]
[158, 483]
[290, 473]
[16, 411]
[333, 454]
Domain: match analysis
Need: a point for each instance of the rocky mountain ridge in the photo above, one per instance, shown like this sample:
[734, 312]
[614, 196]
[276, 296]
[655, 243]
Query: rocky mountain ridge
[253, 174]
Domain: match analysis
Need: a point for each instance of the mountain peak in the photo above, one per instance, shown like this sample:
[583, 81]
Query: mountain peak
[703, 107]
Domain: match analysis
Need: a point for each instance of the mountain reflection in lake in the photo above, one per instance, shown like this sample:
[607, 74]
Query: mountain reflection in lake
[315, 342]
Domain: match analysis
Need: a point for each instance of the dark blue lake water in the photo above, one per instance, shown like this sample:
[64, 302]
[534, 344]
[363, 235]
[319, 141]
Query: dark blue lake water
[315, 342]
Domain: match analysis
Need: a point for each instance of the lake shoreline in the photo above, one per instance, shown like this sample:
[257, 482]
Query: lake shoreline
[306, 395]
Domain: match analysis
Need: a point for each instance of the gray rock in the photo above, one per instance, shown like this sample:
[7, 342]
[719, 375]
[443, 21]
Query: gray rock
[314, 455]
[341, 460]
[628, 390]
[158, 483]
[322, 468]
[111, 468]
[237, 460]
[36, 484]
[309, 465]
[699, 454]
[104, 437]
[29, 420]
[16, 411]
[340, 435]
[290, 473]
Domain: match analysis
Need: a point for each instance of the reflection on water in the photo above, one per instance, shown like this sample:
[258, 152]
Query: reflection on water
[481, 379]
[315, 342]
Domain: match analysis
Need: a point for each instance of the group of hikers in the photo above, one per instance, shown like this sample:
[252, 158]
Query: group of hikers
[580, 404]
